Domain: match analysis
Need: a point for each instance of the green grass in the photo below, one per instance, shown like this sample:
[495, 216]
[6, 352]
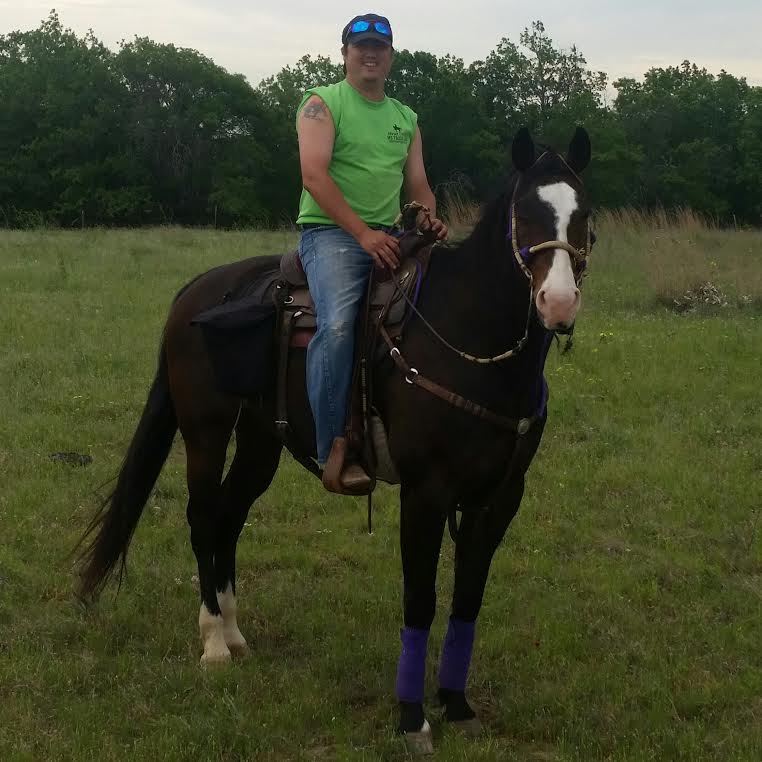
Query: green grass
[622, 619]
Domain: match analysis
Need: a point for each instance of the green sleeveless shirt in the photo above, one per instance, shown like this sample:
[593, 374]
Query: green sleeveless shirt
[369, 153]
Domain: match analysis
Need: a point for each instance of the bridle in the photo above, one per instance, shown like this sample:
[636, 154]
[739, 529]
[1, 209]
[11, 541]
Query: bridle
[522, 256]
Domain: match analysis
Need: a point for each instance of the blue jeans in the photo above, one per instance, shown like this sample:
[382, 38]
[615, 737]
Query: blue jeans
[337, 271]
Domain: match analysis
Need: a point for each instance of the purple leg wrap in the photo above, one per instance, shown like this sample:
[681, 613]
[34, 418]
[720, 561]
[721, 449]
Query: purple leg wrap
[411, 670]
[456, 655]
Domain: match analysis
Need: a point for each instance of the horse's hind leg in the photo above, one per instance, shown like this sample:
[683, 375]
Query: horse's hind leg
[205, 463]
[253, 467]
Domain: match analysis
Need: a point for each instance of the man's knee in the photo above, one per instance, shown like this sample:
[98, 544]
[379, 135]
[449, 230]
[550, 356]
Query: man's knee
[340, 331]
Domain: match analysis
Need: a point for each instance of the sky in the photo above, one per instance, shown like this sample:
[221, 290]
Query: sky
[257, 38]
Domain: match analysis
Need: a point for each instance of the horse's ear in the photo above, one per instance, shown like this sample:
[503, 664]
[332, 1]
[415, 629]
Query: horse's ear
[522, 150]
[579, 150]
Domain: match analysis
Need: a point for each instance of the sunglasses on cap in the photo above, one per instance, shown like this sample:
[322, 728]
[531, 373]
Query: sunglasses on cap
[363, 25]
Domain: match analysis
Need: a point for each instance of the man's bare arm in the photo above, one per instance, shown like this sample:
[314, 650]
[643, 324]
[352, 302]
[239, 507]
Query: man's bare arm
[417, 186]
[416, 183]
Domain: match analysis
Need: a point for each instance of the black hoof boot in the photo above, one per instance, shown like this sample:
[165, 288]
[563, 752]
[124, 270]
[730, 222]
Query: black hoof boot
[415, 729]
[458, 712]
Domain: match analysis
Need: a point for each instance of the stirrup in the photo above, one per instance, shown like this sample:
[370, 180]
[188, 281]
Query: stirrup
[345, 478]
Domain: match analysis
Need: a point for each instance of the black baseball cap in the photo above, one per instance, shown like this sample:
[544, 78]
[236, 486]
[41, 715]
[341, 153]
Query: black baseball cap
[378, 28]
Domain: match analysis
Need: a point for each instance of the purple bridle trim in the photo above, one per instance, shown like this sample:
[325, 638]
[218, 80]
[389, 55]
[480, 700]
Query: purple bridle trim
[524, 252]
[456, 655]
[411, 670]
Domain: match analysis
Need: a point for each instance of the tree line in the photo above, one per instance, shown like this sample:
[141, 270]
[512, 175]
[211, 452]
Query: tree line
[152, 133]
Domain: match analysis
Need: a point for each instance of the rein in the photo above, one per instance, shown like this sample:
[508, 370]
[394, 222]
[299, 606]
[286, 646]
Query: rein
[461, 353]
[413, 377]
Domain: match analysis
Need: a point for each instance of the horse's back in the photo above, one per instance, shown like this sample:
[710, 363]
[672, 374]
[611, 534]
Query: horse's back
[210, 288]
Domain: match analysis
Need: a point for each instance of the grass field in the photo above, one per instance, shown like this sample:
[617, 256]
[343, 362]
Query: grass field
[623, 617]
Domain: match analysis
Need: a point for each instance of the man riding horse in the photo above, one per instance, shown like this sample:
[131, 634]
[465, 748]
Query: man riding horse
[357, 147]
[461, 393]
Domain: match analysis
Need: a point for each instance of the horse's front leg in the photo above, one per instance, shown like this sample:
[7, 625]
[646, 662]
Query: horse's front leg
[481, 531]
[422, 519]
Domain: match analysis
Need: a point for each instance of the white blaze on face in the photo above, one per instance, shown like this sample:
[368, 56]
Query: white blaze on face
[558, 299]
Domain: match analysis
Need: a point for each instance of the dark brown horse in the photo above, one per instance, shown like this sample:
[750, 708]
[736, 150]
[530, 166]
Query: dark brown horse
[499, 296]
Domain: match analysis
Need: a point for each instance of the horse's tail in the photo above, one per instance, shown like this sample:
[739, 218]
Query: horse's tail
[114, 523]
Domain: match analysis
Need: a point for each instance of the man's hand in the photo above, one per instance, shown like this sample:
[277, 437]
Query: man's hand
[382, 247]
[436, 226]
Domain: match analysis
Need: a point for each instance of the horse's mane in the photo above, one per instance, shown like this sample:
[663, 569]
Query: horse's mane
[494, 217]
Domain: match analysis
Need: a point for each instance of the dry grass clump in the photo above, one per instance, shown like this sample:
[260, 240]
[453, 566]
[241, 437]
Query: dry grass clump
[657, 219]
[687, 262]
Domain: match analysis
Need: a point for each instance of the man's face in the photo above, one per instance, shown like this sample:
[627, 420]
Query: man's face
[368, 60]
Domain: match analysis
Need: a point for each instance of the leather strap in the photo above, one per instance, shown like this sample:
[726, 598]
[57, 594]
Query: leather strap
[520, 425]
[285, 325]
[285, 321]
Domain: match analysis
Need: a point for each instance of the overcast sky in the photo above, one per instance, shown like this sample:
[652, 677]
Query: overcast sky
[258, 38]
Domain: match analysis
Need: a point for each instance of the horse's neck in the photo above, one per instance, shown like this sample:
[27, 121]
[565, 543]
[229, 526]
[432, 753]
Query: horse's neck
[479, 287]
[478, 302]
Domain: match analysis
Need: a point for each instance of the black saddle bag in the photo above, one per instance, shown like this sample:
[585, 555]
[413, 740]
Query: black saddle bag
[239, 338]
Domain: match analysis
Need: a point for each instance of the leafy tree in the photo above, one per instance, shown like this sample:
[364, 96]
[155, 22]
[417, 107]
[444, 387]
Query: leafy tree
[538, 88]
[688, 123]
[61, 148]
[198, 132]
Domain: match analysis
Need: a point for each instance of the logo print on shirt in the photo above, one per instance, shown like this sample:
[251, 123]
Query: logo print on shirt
[395, 135]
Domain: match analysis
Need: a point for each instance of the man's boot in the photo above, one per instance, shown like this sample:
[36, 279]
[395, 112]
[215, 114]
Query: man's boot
[345, 477]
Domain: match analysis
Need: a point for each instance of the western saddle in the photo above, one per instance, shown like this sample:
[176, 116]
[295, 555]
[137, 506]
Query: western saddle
[386, 304]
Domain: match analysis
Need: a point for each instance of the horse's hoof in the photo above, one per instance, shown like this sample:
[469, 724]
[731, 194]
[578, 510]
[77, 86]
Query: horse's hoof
[239, 650]
[471, 727]
[215, 659]
[419, 742]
